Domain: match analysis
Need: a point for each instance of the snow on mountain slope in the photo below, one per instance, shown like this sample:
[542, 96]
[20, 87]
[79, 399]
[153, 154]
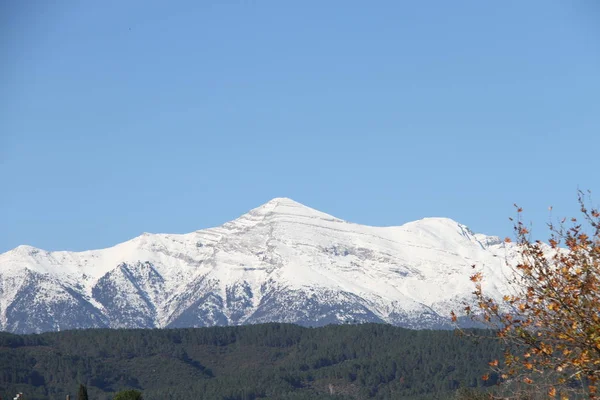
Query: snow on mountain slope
[282, 261]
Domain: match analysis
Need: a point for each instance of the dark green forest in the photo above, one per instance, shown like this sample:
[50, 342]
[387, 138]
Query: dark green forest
[269, 361]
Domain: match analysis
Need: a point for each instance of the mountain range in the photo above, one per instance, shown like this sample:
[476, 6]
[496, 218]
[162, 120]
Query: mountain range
[280, 262]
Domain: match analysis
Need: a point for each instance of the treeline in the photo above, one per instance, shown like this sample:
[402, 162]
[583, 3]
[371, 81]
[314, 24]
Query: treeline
[269, 361]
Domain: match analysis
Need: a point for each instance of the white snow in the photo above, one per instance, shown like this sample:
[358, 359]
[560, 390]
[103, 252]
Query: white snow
[422, 263]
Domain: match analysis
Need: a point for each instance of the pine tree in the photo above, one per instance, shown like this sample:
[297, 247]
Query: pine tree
[128, 395]
[82, 394]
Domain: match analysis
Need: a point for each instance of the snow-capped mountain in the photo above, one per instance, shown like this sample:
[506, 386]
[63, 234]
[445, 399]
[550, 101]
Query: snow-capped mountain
[282, 261]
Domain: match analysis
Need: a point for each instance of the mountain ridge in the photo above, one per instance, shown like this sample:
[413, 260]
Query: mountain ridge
[279, 262]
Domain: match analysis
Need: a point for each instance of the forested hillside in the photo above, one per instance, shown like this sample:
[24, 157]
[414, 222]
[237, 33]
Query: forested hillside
[274, 361]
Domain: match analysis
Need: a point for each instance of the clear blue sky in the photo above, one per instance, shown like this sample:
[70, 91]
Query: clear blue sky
[123, 117]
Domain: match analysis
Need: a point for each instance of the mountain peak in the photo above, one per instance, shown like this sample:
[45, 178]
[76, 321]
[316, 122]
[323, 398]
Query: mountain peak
[445, 230]
[283, 201]
[286, 208]
[26, 250]
[437, 221]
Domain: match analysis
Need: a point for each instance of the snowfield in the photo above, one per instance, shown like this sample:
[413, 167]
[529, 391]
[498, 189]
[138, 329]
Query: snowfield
[282, 261]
